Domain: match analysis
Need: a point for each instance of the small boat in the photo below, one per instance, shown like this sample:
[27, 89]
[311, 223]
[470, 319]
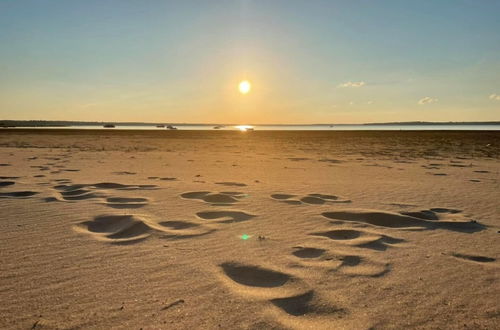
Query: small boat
[217, 127]
[171, 127]
[108, 126]
[160, 126]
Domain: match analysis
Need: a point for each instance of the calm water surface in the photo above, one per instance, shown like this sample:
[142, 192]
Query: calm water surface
[300, 127]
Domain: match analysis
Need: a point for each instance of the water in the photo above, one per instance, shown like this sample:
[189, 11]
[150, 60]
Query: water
[395, 127]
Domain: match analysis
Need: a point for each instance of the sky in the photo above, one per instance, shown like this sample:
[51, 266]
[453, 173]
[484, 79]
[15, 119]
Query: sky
[309, 61]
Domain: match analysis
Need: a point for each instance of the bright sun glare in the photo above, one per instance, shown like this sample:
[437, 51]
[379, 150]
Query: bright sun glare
[245, 87]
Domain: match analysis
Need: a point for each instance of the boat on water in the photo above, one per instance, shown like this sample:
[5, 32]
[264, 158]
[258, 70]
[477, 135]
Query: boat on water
[160, 126]
[171, 127]
[108, 126]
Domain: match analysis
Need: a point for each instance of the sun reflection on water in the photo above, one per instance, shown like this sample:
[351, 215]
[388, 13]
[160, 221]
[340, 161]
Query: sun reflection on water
[244, 128]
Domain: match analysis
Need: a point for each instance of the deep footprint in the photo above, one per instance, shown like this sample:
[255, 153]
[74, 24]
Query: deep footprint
[254, 276]
[304, 304]
[306, 253]
[117, 228]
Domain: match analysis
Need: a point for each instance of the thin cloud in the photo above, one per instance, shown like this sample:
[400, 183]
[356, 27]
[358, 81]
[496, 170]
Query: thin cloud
[427, 100]
[495, 97]
[354, 84]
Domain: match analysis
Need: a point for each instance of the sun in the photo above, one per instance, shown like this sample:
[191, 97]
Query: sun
[245, 87]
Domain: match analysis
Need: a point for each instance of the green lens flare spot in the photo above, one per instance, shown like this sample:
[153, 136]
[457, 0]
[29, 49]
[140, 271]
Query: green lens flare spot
[245, 237]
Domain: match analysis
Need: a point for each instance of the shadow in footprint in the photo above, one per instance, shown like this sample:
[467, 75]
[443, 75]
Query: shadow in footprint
[231, 184]
[340, 234]
[473, 257]
[306, 253]
[303, 304]
[119, 186]
[178, 225]
[18, 194]
[254, 276]
[126, 203]
[6, 183]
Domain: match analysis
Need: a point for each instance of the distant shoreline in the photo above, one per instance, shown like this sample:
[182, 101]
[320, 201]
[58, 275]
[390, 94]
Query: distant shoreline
[59, 123]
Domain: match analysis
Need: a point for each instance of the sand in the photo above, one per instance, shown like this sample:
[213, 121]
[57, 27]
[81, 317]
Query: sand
[249, 230]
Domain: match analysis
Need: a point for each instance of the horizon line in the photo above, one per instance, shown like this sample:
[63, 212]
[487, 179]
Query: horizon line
[135, 123]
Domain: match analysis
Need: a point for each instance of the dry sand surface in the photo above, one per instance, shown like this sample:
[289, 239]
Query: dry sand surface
[249, 230]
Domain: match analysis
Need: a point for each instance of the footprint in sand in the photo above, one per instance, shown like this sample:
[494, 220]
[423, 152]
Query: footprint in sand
[255, 276]
[180, 229]
[311, 199]
[119, 186]
[474, 258]
[346, 264]
[229, 216]
[308, 252]
[63, 180]
[168, 179]
[231, 184]
[362, 239]
[18, 194]
[6, 183]
[41, 168]
[117, 229]
[290, 295]
[330, 160]
[76, 192]
[126, 202]
[214, 198]
[124, 173]
[298, 159]
[130, 229]
[306, 304]
[436, 218]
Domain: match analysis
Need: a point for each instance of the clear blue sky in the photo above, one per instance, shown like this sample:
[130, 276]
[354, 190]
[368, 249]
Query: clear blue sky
[309, 61]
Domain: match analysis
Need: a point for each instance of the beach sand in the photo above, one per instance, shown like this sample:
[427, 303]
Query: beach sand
[249, 230]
